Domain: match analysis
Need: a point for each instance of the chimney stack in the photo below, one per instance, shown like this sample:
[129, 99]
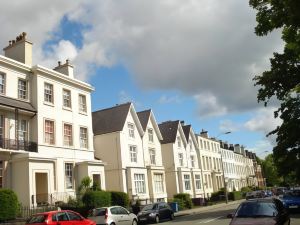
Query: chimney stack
[204, 133]
[66, 68]
[20, 50]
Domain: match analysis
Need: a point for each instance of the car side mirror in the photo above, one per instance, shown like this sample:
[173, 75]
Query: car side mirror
[230, 215]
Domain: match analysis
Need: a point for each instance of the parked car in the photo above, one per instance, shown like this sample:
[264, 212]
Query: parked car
[255, 194]
[267, 211]
[291, 199]
[114, 215]
[156, 212]
[62, 217]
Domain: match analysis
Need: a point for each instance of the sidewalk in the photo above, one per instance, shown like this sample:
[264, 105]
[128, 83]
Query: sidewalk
[205, 208]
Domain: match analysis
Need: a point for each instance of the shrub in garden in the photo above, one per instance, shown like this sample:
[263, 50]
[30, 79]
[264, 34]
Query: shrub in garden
[119, 198]
[216, 196]
[93, 199]
[235, 195]
[9, 205]
[186, 199]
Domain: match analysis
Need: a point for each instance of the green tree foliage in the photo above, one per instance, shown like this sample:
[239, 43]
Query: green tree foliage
[119, 198]
[283, 79]
[93, 199]
[185, 198]
[9, 205]
[270, 172]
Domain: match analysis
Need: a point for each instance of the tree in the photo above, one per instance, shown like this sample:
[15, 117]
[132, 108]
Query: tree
[282, 81]
[270, 171]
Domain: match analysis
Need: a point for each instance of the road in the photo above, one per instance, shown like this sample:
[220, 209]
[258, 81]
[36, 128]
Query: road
[216, 216]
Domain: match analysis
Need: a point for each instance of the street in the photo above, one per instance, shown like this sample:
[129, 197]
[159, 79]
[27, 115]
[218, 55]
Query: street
[216, 216]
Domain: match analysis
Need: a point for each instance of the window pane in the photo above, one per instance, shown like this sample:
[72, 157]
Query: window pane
[131, 130]
[67, 98]
[83, 137]
[133, 153]
[158, 183]
[69, 175]
[2, 83]
[82, 103]
[48, 93]
[22, 89]
[152, 156]
[68, 135]
[150, 135]
[139, 182]
[49, 132]
[187, 183]
[22, 130]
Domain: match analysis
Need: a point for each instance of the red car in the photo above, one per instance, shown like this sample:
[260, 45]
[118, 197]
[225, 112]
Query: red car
[63, 217]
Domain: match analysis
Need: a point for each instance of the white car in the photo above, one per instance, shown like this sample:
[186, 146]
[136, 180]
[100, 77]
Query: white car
[114, 215]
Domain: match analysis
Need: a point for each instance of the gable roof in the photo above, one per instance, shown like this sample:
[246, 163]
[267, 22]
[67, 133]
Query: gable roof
[169, 130]
[144, 117]
[186, 130]
[111, 119]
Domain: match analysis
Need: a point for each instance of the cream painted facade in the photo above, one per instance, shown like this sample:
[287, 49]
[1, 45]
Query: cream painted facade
[211, 162]
[46, 138]
[124, 154]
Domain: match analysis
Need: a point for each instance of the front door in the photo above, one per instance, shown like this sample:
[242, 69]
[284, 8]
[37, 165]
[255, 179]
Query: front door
[41, 187]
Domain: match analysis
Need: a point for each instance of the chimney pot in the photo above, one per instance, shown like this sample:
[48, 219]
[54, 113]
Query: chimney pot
[67, 61]
[59, 63]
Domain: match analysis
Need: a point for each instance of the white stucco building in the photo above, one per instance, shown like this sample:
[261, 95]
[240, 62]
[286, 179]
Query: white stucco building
[46, 138]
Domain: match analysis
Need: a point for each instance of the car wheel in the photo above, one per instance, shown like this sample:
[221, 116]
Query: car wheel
[157, 219]
[134, 222]
[172, 216]
[112, 224]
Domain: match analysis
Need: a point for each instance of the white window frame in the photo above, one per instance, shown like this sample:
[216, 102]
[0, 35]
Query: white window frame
[178, 142]
[197, 181]
[150, 135]
[49, 137]
[67, 98]
[180, 159]
[48, 93]
[139, 183]
[2, 83]
[82, 103]
[69, 175]
[131, 129]
[68, 137]
[83, 137]
[187, 182]
[22, 130]
[158, 182]
[192, 161]
[2, 128]
[133, 153]
[22, 88]
[152, 155]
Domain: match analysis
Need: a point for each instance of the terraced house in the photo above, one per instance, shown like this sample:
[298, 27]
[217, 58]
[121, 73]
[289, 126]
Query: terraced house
[46, 138]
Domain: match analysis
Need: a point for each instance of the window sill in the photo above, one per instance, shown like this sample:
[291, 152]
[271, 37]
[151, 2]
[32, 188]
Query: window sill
[49, 104]
[83, 113]
[67, 108]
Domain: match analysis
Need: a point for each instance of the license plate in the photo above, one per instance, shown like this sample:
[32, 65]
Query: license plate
[293, 206]
[142, 218]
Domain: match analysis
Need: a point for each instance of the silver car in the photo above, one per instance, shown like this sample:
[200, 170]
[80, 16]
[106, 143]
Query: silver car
[114, 215]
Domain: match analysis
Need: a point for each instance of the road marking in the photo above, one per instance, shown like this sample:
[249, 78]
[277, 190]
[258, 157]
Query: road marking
[210, 220]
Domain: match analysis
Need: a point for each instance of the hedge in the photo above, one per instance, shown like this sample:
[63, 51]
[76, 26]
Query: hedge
[235, 195]
[93, 199]
[119, 198]
[216, 196]
[187, 201]
[9, 204]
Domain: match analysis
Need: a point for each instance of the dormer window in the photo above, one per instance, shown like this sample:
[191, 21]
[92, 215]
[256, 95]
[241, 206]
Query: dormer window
[180, 158]
[150, 135]
[191, 145]
[192, 161]
[131, 130]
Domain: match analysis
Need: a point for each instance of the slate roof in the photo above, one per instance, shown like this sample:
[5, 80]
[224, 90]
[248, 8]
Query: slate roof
[14, 103]
[144, 118]
[186, 131]
[111, 119]
[169, 131]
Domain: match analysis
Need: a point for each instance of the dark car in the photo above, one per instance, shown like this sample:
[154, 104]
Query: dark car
[155, 212]
[291, 199]
[260, 211]
[62, 217]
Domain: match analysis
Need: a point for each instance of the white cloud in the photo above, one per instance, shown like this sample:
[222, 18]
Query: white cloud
[194, 46]
[164, 99]
[262, 148]
[229, 125]
[209, 105]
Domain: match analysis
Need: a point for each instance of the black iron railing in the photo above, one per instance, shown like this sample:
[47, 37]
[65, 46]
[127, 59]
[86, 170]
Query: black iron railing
[12, 144]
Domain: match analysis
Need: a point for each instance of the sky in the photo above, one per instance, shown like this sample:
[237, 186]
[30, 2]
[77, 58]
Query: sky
[191, 60]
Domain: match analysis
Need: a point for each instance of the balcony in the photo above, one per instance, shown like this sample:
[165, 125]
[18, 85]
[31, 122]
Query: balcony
[12, 144]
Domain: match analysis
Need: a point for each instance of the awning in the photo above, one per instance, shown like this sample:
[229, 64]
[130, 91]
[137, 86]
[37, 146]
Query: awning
[17, 104]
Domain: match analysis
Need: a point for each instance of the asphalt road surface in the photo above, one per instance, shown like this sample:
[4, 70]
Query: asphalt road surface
[216, 217]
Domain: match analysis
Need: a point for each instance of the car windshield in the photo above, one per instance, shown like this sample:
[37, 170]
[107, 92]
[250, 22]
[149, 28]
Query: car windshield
[150, 207]
[292, 194]
[257, 209]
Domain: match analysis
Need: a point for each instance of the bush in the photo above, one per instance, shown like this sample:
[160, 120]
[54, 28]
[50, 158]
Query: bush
[217, 196]
[93, 199]
[119, 198]
[9, 205]
[187, 201]
[235, 195]
[180, 203]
